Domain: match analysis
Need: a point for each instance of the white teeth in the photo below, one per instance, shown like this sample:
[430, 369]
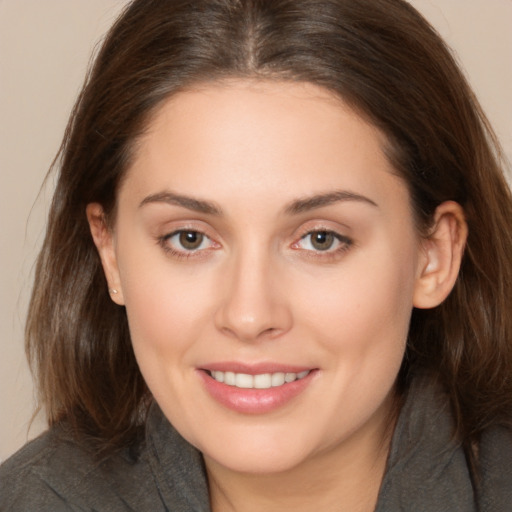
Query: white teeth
[242, 380]
[277, 379]
[260, 381]
[263, 381]
[229, 378]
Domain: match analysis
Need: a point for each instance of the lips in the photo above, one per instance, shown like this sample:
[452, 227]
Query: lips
[255, 389]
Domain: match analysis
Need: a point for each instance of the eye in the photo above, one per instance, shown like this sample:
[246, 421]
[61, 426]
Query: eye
[183, 241]
[323, 241]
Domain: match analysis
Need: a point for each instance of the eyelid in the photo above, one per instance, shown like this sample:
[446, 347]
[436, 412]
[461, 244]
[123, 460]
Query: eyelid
[337, 228]
[178, 225]
[181, 231]
[343, 243]
[184, 253]
[338, 236]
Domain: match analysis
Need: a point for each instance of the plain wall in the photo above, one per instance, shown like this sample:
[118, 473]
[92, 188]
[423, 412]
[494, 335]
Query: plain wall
[45, 46]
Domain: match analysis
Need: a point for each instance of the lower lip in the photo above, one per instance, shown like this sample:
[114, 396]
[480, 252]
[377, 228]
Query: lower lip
[255, 401]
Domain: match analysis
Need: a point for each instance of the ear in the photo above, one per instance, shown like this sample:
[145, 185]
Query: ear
[441, 256]
[104, 240]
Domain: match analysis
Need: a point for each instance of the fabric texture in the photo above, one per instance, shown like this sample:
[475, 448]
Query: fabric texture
[426, 471]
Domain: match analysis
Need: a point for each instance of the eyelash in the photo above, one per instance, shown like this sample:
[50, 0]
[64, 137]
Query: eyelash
[184, 254]
[343, 244]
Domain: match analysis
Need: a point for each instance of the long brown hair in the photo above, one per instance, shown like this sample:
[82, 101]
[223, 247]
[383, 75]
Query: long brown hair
[382, 58]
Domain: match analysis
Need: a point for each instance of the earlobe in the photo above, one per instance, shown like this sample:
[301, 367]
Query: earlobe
[104, 241]
[441, 258]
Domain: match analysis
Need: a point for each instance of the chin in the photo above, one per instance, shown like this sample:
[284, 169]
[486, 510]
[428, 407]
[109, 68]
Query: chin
[257, 462]
[261, 449]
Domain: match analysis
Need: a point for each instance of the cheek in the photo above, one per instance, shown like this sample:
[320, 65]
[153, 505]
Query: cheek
[163, 313]
[164, 303]
[166, 312]
[364, 307]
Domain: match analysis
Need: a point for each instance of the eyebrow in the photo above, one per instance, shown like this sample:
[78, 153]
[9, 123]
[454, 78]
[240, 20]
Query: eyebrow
[190, 203]
[294, 208]
[320, 200]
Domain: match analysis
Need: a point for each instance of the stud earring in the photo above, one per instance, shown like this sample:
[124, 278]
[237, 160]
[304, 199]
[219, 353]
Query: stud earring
[113, 291]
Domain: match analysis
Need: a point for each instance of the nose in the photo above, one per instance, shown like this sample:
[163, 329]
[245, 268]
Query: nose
[253, 304]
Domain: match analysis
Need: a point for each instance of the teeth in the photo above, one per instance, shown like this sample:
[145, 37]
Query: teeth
[263, 381]
[229, 378]
[242, 380]
[290, 377]
[277, 379]
[218, 376]
[260, 381]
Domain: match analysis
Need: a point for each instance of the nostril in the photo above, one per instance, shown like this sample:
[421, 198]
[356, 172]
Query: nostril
[251, 314]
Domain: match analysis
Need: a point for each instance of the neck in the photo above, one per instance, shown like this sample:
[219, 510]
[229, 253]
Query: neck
[342, 478]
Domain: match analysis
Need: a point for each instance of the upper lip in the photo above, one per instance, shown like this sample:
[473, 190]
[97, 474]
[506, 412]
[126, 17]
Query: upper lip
[254, 368]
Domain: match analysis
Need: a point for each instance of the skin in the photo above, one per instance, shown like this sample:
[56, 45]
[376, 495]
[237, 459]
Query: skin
[257, 290]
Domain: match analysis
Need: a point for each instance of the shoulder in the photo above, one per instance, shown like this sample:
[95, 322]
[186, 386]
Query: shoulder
[495, 460]
[427, 465]
[55, 472]
[21, 483]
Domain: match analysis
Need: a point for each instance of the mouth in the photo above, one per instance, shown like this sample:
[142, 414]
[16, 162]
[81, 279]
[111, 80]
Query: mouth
[258, 381]
[255, 388]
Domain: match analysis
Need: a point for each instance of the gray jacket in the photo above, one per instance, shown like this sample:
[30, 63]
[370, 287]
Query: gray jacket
[426, 472]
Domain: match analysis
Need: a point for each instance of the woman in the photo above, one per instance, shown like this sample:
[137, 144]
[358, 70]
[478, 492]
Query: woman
[276, 273]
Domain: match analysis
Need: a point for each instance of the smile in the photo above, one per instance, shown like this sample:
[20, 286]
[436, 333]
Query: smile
[252, 390]
[259, 381]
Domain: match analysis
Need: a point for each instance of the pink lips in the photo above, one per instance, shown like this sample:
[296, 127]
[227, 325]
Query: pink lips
[254, 401]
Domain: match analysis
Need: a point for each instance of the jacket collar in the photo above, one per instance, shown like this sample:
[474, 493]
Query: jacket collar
[177, 466]
[426, 467]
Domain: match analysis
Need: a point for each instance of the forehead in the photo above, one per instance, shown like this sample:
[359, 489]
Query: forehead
[239, 138]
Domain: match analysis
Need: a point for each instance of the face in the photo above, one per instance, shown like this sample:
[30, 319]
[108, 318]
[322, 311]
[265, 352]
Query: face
[267, 257]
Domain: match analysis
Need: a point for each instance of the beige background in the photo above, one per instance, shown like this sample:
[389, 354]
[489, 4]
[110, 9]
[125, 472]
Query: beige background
[45, 46]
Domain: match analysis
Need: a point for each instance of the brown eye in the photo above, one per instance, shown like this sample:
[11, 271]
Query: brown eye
[322, 240]
[190, 240]
[187, 243]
